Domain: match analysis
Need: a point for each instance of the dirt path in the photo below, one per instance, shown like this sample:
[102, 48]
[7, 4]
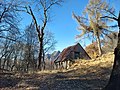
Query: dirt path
[74, 79]
[57, 81]
[49, 81]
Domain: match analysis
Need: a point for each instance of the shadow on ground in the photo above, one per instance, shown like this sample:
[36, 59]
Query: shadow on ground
[8, 80]
[70, 80]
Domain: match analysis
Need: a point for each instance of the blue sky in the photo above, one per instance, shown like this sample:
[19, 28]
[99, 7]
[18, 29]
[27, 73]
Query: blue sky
[64, 26]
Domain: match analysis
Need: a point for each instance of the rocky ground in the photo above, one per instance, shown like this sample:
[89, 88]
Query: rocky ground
[83, 75]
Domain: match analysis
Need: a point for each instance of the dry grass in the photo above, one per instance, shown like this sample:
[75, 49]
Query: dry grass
[89, 74]
[105, 61]
[93, 73]
[82, 75]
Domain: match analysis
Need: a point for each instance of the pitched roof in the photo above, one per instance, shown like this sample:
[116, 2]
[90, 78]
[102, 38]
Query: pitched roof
[67, 53]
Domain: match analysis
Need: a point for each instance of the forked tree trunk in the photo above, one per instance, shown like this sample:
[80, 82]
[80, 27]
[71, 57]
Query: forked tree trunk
[114, 81]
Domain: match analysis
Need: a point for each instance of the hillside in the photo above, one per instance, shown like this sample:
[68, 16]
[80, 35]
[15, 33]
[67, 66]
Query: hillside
[82, 75]
[94, 73]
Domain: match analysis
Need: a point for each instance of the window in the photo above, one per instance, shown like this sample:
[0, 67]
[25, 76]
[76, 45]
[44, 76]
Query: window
[76, 55]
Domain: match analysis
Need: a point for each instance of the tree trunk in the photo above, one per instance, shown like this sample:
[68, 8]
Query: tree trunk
[99, 45]
[114, 82]
[27, 66]
[4, 62]
[41, 50]
[43, 60]
[0, 63]
[39, 58]
[8, 62]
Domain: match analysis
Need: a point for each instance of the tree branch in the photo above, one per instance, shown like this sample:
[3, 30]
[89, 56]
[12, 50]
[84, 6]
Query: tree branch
[110, 13]
[56, 2]
[8, 38]
[113, 18]
[35, 22]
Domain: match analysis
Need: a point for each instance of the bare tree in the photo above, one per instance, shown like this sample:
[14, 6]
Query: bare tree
[9, 18]
[6, 53]
[49, 41]
[46, 5]
[30, 48]
[16, 55]
[49, 44]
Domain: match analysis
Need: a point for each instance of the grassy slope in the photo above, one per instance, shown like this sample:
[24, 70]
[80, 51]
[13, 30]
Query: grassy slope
[95, 73]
